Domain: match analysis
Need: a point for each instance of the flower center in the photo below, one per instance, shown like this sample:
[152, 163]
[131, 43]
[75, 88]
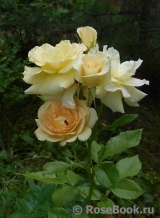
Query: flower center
[66, 122]
[90, 64]
[60, 121]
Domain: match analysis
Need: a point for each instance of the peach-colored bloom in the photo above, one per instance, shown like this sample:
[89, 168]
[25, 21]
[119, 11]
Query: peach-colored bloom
[58, 123]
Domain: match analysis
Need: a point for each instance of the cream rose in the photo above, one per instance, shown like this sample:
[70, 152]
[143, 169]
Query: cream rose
[92, 69]
[122, 83]
[58, 123]
[55, 71]
[88, 36]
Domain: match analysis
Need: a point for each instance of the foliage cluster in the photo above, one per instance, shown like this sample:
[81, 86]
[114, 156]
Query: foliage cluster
[36, 200]
[26, 198]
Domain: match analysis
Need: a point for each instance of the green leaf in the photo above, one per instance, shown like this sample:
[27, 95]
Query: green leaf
[18, 215]
[38, 199]
[3, 59]
[64, 195]
[96, 151]
[129, 166]
[106, 203]
[3, 154]
[24, 206]
[27, 138]
[43, 177]
[72, 177]
[67, 153]
[68, 177]
[127, 189]
[107, 175]
[62, 10]
[124, 119]
[58, 212]
[56, 167]
[39, 213]
[122, 142]
[62, 176]
[81, 215]
[71, 162]
[84, 191]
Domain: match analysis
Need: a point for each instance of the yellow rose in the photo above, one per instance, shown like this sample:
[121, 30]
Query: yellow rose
[55, 71]
[58, 123]
[88, 36]
[92, 69]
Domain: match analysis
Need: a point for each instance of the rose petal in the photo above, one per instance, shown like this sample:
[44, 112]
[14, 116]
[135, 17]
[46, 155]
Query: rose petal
[92, 117]
[33, 75]
[114, 69]
[112, 88]
[100, 92]
[36, 54]
[128, 69]
[112, 54]
[136, 95]
[135, 82]
[52, 84]
[132, 104]
[85, 134]
[42, 136]
[66, 66]
[113, 100]
[67, 98]
[71, 139]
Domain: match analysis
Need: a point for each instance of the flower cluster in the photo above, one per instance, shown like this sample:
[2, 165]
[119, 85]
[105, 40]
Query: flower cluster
[67, 69]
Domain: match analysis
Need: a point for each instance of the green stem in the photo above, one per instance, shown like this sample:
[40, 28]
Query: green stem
[89, 153]
[91, 167]
[77, 159]
[91, 175]
[91, 187]
[100, 110]
[92, 172]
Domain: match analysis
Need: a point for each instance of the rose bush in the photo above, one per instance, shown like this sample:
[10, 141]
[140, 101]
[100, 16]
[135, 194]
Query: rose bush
[58, 123]
[66, 74]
